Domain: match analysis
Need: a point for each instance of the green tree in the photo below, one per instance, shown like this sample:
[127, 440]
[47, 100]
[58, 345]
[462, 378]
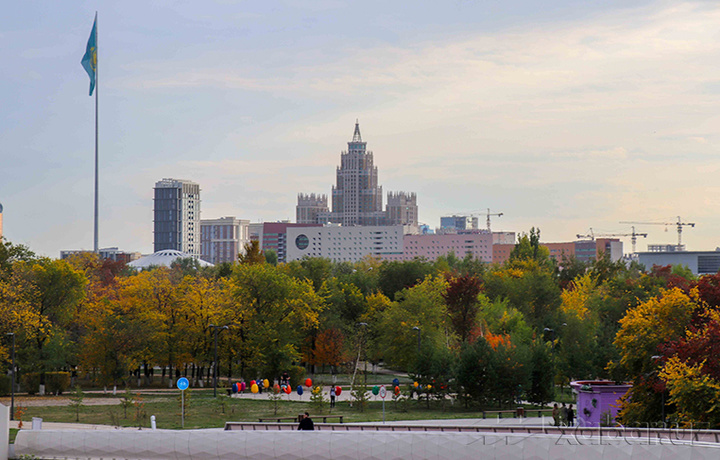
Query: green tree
[251, 254]
[273, 314]
[396, 276]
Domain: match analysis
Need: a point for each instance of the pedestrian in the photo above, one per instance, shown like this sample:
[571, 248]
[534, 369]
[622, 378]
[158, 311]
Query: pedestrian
[332, 396]
[556, 415]
[563, 415]
[570, 416]
[306, 423]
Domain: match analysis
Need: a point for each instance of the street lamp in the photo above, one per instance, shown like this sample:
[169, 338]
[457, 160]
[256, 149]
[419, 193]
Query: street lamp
[416, 328]
[12, 383]
[215, 366]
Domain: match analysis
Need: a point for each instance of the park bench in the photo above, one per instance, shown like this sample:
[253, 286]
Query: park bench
[295, 419]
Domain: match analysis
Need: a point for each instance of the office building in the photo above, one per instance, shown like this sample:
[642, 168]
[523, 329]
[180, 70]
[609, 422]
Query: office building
[177, 216]
[223, 239]
[699, 262]
[343, 244]
[452, 224]
[357, 199]
[309, 207]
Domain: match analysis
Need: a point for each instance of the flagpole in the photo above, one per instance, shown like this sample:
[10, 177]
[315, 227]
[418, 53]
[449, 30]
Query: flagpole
[97, 90]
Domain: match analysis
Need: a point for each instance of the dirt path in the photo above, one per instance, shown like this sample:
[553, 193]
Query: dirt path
[28, 401]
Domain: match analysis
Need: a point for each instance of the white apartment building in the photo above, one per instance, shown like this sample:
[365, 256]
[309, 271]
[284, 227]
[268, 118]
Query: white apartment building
[223, 239]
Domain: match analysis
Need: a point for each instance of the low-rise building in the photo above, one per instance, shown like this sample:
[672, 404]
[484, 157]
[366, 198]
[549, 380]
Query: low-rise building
[699, 262]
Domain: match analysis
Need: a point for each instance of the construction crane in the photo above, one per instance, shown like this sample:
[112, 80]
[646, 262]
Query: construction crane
[498, 214]
[591, 235]
[487, 214]
[680, 224]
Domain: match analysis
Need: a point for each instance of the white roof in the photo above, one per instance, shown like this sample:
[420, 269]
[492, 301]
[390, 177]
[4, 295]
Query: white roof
[164, 258]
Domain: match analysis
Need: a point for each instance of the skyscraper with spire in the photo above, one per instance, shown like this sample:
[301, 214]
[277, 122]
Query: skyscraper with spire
[357, 199]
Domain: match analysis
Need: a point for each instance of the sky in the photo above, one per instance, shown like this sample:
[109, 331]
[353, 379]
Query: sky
[564, 115]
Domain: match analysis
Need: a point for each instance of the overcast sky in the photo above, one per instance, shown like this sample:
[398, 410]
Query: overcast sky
[567, 117]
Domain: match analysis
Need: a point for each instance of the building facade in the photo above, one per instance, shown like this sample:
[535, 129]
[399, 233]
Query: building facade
[699, 262]
[223, 239]
[113, 254]
[583, 250]
[344, 244]
[309, 207]
[454, 223]
[357, 198]
[478, 245]
[177, 216]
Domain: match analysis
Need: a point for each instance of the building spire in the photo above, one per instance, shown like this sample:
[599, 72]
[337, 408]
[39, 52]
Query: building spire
[356, 134]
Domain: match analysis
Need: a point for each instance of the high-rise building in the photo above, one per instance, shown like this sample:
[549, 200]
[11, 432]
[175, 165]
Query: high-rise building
[401, 209]
[223, 239]
[309, 207]
[177, 216]
[357, 199]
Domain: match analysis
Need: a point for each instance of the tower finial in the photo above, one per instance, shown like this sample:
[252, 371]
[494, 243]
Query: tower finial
[356, 134]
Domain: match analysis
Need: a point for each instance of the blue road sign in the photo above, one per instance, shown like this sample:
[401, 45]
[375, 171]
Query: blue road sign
[183, 383]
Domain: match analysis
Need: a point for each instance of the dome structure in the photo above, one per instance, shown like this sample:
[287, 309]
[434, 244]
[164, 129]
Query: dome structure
[164, 258]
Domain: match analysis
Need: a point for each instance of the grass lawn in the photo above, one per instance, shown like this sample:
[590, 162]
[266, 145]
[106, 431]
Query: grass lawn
[204, 411]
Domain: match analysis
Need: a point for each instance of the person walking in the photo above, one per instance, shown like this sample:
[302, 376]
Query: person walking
[332, 396]
[556, 415]
[306, 422]
[563, 415]
[570, 416]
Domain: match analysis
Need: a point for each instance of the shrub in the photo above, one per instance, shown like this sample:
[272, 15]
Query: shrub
[4, 385]
[57, 382]
[31, 382]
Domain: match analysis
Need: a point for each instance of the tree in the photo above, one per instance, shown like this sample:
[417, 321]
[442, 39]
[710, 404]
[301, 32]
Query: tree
[271, 257]
[47, 295]
[420, 306]
[473, 372]
[273, 314]
[461, 298]
[642, 331]
[396, 276]
[251, 254]
[650, 324]
[542, 375]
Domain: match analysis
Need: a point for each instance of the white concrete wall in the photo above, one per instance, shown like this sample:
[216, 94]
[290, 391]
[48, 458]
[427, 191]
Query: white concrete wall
[387, 445]
[4, 431]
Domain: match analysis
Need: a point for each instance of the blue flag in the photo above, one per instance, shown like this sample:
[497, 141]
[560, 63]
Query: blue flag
[89, 61]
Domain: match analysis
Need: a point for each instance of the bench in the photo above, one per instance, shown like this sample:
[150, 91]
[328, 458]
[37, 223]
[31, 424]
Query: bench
[278, 419]
[295, 419]
[326, 417]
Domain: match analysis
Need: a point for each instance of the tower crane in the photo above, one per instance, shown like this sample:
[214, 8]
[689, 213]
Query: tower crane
[498, 214]
[680, 224]
[591, 235]
[487, 214]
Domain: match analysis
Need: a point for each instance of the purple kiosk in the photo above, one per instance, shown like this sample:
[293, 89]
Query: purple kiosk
[597, 401]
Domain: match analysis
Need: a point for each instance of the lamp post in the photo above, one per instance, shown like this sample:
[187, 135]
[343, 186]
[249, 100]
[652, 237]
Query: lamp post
[417, 329]
[215, 365]
[12, 383]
